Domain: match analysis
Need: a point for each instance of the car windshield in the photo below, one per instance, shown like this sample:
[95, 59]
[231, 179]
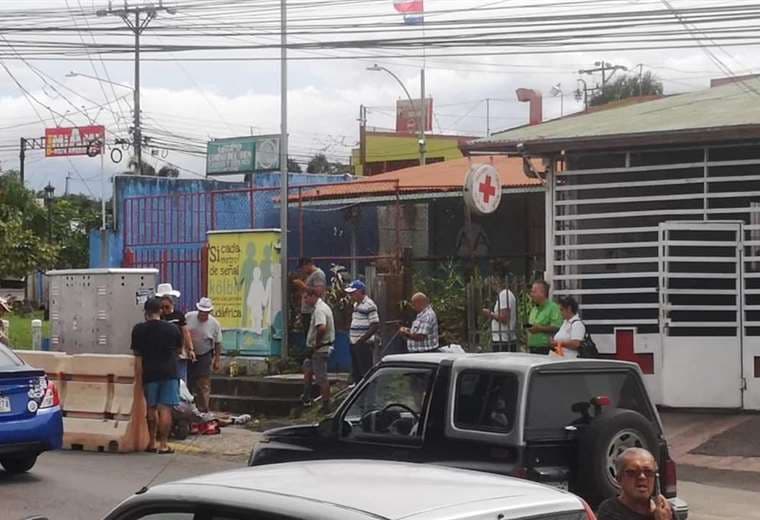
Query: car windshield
[8, 359]
[392, 402]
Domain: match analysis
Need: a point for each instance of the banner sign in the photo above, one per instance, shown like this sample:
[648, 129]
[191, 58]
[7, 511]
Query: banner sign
[244, 284]
[67, 142]
[243, 155]
[408, 116]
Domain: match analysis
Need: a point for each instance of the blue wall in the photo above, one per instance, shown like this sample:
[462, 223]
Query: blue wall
[169, 233]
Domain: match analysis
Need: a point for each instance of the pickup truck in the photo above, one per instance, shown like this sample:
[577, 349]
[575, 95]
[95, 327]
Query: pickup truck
[561, 423]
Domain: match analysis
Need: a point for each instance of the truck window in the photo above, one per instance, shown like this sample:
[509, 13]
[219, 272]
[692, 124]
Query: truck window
[392, 403]
[485, 401]
[556, 400]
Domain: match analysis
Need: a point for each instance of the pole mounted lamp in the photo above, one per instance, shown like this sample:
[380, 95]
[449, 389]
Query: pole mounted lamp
[421, 123]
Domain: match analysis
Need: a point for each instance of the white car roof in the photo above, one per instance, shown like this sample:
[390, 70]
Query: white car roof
[395, 490]
[521, 362]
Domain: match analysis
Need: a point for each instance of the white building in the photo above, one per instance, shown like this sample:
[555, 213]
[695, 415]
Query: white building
[653, 219]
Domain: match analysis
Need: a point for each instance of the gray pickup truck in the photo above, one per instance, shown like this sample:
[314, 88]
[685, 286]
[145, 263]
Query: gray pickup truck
[561, 423]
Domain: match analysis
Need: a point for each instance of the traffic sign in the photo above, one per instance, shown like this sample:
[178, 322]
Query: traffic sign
[482, 189]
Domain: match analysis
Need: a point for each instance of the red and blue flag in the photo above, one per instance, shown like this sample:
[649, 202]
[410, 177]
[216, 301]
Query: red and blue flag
[413, 10]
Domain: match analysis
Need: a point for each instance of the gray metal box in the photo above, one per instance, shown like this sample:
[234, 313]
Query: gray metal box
[92, 311]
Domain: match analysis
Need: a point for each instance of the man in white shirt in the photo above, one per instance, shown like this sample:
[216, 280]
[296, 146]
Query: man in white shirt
[206, 335]
[319, 344]
[503, 321]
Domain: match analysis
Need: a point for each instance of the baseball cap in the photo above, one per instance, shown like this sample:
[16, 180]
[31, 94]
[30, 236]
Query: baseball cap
[356, 285]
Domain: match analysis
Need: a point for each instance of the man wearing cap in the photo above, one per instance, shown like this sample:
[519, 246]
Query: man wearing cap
[4, 307]
[169, 313]
[206, 336]
[365, 323]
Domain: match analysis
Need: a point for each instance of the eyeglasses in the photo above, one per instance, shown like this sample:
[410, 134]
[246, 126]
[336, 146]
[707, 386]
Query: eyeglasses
[634, 473]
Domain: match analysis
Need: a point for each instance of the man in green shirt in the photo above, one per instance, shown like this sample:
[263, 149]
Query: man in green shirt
[545, 319]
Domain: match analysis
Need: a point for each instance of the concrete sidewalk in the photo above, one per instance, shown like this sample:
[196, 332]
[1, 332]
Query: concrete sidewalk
[727, 442]
[234, 443]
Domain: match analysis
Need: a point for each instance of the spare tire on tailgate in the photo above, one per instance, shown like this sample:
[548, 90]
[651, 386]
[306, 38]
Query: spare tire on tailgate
[607, 436]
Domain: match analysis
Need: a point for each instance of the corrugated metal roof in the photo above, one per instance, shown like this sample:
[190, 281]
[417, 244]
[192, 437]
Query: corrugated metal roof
[733, 105]
[447, 176]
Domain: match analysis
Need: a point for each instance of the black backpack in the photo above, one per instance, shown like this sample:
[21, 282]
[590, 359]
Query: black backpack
[588, 348]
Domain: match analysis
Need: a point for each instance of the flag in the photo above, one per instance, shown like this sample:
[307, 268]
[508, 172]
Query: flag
[413, 11]
[409, 6]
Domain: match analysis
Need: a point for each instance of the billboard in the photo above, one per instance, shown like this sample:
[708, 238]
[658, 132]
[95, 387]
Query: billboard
[81, 140]
[244, 283]
[408, 116]
[243, 155]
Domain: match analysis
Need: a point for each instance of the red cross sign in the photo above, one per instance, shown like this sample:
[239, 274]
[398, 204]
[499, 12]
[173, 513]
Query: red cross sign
[482, 190]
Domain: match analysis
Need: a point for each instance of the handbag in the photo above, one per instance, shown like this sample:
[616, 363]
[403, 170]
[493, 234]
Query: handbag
[588, 348]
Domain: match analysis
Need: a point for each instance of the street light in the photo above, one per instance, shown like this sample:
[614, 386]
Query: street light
[49, 191]
[73, 74]
[421, 125]
[557, 91]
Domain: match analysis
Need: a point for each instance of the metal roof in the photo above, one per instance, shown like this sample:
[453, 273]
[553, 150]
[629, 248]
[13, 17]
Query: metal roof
[727, 112]
[421, 182]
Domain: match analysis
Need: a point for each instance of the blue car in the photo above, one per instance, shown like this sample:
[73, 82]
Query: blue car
[30, 413]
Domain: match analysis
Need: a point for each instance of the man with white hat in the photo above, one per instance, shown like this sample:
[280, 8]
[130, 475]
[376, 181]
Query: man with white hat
[169, 296]
[206, 335]
[4, 307]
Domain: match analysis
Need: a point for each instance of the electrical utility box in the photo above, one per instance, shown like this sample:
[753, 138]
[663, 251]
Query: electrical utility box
[92, 311]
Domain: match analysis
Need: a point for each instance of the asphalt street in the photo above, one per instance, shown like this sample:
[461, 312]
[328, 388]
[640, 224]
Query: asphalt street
[77, 486]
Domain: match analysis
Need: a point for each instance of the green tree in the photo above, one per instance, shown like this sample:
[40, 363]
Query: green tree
[627, 86]
[293, 166]
[321, 164]
[23, 248]
[74, 216]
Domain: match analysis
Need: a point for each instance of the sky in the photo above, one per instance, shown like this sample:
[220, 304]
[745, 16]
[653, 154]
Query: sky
[193, 94]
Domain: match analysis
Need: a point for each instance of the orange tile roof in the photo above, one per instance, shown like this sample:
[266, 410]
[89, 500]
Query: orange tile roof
[431, 178]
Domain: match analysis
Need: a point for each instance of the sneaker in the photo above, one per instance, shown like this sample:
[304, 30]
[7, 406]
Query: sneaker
[306, 402]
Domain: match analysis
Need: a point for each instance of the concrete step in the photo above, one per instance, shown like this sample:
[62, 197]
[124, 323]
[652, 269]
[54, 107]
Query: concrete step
[260, 387]
[254, 405]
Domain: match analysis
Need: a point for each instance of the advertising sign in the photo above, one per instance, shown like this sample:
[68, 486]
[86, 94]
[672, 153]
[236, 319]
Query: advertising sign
[408, 116]
[244, 284]
[243, 155]
[67, 142]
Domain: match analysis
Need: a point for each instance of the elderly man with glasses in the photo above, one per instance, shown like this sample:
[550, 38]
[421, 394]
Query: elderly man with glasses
[639, 497]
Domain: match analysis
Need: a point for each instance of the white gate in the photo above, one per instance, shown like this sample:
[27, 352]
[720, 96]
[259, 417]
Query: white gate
[701, 300]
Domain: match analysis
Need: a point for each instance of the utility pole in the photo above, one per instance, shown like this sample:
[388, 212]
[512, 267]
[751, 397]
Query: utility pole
[36, 143]
[284, 174]
[488, 117]
[603, 67]
[137, 20]
[68, 178]
[362, 140]
[423, 120]
[22, 160]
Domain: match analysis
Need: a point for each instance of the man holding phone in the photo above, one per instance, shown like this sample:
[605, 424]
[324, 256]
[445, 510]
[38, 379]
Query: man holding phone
[640, 497]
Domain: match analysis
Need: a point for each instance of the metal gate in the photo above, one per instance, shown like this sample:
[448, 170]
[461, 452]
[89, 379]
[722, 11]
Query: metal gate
[701, 300]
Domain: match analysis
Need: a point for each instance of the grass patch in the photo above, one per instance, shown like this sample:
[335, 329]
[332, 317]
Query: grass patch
[21, 329]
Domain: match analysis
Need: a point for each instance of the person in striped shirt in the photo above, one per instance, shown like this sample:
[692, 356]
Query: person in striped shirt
[365, 322]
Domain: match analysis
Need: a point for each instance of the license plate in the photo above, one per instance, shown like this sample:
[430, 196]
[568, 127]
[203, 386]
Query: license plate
[5, 404]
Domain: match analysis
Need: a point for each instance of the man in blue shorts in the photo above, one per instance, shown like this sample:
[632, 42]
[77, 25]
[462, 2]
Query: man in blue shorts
[156, 345]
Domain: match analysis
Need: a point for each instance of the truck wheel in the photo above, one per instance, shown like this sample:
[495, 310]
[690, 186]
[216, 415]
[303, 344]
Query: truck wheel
[15, 465]
[609, 435]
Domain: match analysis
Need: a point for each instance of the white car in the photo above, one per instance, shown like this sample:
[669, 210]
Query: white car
[352, 490]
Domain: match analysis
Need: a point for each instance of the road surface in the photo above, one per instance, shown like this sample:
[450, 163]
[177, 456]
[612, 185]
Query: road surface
[69, 485]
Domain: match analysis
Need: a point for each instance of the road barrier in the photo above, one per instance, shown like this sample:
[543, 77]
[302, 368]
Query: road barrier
[103, 410]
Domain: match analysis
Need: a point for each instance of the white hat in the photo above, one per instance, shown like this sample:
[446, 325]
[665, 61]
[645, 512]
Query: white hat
[4, 304]
[166, 289]
[205, 305]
